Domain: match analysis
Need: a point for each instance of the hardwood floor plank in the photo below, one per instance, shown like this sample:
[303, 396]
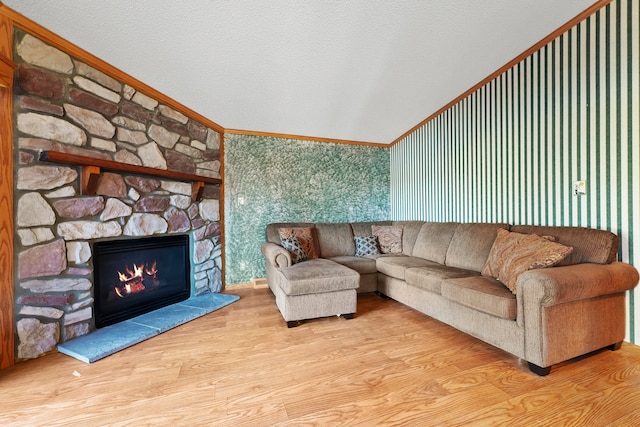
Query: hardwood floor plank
[390, 365]
[630, 419]
[534, 408]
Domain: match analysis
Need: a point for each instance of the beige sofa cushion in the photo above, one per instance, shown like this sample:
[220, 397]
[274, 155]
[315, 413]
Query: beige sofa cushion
[410, 231]
[316, 276]
[395, 266]
[470, 245]
[433, 241]
[363, 265]
[482, 293]
[335, 239]
[430, 278]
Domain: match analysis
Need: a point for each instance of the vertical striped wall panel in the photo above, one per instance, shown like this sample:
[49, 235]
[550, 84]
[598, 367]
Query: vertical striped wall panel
[512, 150]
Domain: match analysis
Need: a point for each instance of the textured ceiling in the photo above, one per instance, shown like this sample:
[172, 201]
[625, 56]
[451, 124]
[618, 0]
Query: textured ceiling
[360, 70]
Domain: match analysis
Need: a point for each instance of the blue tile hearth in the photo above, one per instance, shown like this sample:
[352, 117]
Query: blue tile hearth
[111, 339]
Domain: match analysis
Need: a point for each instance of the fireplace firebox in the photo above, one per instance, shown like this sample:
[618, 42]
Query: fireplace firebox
[136, 276]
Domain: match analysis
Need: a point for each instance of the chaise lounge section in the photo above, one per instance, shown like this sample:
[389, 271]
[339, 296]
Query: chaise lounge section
[565, 299]
[317, 287]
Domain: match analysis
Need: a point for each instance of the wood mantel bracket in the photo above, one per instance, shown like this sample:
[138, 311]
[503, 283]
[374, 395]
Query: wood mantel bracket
[90, 177]
[92, 168]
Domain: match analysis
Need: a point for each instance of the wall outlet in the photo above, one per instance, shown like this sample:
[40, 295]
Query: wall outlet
[580, 188]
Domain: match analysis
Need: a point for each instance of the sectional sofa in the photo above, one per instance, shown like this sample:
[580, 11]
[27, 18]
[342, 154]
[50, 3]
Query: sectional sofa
[562, 299]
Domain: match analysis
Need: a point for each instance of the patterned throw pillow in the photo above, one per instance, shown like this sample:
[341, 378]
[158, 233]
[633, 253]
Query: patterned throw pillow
[514, 253]
[366, 245]
[505, 242]
[293, 245]
[389, 237]
[305, 236]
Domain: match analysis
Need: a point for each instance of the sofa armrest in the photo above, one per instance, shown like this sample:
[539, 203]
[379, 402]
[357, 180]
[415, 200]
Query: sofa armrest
[559, 285]
[572, 310]
[276, 255]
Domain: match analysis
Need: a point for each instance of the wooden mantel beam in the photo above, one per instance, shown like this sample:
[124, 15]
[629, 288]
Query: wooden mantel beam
[92, 167]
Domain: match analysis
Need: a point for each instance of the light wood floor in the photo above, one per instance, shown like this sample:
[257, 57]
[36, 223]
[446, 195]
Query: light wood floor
[389, 366]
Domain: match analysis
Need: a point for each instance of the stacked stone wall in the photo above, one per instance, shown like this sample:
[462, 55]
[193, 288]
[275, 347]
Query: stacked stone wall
[62, 104]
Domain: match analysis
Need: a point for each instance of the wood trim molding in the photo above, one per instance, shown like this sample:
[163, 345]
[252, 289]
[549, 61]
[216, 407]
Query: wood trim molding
[33, 28]
[222, 243]
[6, 35]
[7, 339]
[58, 42]
[6, 64]
[305, 138]
[6, 72]
[563, 29]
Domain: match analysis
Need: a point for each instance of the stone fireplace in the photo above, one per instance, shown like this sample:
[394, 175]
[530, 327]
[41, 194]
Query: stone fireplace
[64, 213]
[134, 277]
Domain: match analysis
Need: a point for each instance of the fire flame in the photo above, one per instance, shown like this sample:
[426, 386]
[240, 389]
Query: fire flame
[133, 279]
[152, 271]
[131, 274]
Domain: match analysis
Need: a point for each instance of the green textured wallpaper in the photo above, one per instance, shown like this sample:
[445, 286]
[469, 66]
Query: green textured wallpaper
[276, 180]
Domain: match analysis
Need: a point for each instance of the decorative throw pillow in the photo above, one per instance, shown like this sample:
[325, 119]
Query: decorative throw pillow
[366, 245]
[389, 238]
[514, 253]
[293, 245]
[305, 236]
[505, 242]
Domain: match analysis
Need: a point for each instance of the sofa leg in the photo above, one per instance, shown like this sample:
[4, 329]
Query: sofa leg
[292, 323]
[538, 370]
[615, 346]
[381, 295]
[348, 316]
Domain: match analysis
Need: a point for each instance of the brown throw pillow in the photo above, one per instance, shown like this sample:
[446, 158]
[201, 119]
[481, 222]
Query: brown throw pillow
[305, 237]
[514, 253]
[389, 238]
[505, 242]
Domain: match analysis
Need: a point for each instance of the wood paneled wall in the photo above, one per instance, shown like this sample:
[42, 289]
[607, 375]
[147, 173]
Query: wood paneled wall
[6, 196]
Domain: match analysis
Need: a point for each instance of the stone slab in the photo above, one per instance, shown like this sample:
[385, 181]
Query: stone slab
[169, 317]
[111, 339]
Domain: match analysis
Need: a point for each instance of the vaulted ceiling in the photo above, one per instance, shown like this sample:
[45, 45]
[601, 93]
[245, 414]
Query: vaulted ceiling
[359, 70]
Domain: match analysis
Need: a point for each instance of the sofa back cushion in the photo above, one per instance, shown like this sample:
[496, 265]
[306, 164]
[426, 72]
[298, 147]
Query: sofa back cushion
[471, 244]
[364, 228]
[433, 240]
[410, 231]
[335, 239]
[589, 244]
